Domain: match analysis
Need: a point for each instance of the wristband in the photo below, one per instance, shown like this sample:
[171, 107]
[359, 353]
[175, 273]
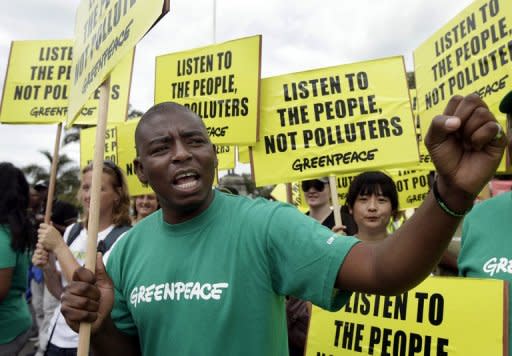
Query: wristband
[443, 206]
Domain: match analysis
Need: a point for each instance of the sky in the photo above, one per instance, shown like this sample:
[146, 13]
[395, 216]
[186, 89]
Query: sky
[297, 35]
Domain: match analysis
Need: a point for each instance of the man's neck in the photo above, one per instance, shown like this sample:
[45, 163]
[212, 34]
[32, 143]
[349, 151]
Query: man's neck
[174, 215]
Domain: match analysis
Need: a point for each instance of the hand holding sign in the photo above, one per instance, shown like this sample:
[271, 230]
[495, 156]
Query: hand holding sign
[465, 150]
[99, 290]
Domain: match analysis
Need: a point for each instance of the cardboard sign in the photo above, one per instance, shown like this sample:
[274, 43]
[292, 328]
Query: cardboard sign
[105, 32]
[220, 83]
[37, 85]
[339, 119]
[440, 317]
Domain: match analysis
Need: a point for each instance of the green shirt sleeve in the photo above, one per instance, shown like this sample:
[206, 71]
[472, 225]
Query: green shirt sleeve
[305, 258]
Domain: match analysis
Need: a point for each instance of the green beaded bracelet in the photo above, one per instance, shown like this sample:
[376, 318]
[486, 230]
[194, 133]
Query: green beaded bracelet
[443, 205]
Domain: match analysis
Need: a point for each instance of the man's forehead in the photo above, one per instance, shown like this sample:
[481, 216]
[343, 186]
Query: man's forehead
[171, 121]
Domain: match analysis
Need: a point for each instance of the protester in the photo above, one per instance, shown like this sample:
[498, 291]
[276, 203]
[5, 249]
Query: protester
[207, 273]
[16, 242]
[114, 219]
[318, 198]
[486, 249]
[143, 205]
[372, 199]
[63, 213]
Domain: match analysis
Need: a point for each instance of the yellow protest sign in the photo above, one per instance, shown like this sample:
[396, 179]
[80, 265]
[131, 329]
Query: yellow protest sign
[87, 143]
[243, 154]
[424, 321]
[37, 85]
[35, 89]
[470, 54]
[119, 148]
[412, 186]
[414, 107]
[279, 193]
[105, 31]
[338, 119]
[120, 82]
[225, 157]
[127, 153]
[220, 83]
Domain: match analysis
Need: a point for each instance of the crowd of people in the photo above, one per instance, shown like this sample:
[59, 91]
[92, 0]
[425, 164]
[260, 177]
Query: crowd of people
[243, 273]
[48, 254]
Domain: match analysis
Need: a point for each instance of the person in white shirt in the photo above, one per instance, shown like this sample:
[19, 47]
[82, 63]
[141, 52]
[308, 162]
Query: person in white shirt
[70, 251]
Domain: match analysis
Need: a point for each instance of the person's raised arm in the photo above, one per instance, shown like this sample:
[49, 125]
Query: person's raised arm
[466, 148]
[89, 298]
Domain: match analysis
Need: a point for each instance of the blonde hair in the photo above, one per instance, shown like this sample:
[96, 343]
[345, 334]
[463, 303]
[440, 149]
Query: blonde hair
[121, 210]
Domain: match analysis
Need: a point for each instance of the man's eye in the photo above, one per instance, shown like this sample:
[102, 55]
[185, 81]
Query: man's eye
[196, 141]
[158, 149]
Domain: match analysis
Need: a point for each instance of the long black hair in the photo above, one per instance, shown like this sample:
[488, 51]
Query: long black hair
[14, 199]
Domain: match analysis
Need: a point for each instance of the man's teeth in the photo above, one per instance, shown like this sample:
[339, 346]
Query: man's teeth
[185, 175]
[187, 185]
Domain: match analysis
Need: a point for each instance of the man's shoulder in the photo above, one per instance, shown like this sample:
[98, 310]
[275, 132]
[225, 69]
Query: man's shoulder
[503, 200]
[145, 225]
[243, 204]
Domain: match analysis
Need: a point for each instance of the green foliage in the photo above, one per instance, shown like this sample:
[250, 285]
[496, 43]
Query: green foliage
[68, 176]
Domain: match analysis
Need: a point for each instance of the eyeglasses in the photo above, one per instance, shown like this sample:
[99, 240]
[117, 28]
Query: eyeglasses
[315, 183]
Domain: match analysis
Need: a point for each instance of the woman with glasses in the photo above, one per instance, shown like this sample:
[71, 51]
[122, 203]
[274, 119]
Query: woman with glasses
[318, 194]
[114, 219]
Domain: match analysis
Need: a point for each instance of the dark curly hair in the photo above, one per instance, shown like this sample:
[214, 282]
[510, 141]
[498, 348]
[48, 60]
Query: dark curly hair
[14, 200]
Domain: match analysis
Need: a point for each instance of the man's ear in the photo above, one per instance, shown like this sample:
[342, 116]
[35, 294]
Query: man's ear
[139, 170]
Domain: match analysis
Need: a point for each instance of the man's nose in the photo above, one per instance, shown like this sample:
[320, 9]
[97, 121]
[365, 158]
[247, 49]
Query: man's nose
[181, 152]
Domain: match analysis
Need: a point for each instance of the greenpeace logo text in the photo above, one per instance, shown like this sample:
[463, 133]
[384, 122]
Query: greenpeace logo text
[496, 265]
[177, 291]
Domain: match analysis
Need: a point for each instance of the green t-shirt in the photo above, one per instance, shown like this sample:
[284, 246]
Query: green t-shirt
[486, 249]
[15, 316]
[215, 285]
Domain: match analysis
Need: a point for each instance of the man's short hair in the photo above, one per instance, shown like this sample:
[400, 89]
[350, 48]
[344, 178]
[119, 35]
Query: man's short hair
[163, 108]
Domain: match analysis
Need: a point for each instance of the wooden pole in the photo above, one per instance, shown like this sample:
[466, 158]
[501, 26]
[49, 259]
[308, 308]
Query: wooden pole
[289, 193]
[334, 200]
[94, 208]
[53, 176]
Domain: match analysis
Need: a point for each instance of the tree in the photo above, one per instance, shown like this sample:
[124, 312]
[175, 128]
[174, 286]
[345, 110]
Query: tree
[68, 180]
